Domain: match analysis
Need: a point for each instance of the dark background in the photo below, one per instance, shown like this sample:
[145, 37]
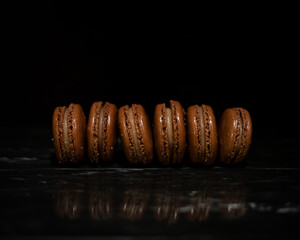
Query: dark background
[58, 53]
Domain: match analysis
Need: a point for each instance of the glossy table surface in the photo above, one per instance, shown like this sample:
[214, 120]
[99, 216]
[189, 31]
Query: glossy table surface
[40, 199]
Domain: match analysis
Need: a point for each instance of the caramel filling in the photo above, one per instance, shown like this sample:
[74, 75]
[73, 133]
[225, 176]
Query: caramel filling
[170, 131]
[65, 133]
[134, 133]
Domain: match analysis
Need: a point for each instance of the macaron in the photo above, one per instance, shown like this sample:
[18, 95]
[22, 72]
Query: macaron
[235, 133]
[69, 133]
[202, 134]
[102, 131]
[135, 134]
[169, 132]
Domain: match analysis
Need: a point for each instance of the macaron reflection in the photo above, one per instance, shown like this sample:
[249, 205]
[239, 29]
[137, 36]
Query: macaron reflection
[135, 200]
[166, 198]
[166, 207]
[200, 206]
[100, 203]
[234, 204]
[162, 199]
[68, 202]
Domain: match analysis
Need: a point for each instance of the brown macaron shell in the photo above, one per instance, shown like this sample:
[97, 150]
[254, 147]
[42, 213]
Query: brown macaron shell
[235, 133]
[202, 134]
[69, 129]
[57, 129]
[102, 139]
[135, 133]
[169, 143]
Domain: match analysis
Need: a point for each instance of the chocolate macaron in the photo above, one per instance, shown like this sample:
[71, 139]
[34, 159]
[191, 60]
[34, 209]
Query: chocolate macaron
[235, 133]
[135, 133]
[169, 132]
[102, 131]
[202, 134]
[69, 129]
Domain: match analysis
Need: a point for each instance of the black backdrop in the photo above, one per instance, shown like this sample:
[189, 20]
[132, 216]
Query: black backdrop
[61, 53]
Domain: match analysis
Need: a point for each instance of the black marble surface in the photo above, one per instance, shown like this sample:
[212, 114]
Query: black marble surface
[39, 199]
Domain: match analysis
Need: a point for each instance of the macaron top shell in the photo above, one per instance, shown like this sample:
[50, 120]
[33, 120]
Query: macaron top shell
[101, 131]
[169, 132]
[235, 133]
[69, 129]
[135, 133]
[202, 134]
